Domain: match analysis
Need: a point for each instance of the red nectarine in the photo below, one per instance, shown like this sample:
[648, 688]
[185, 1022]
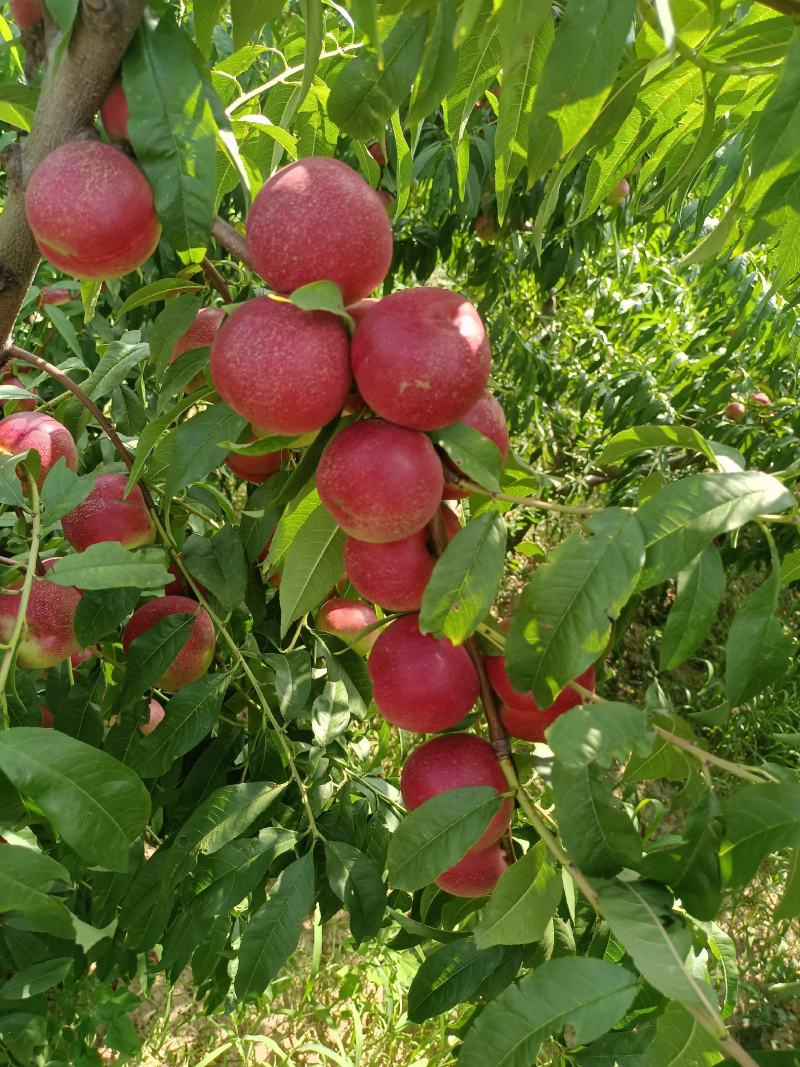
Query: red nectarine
[35, 431]
[26, 13]
[421, 357]
[523, 717]
[156, 716]
[48, 636]
[346, 618]
[380, 482]
[256, 469]
[620, 192]
[476, 874]
[318, 219]
[114, 113]
[24, 403]
[195, 657]
[200, 334]
[106, 515]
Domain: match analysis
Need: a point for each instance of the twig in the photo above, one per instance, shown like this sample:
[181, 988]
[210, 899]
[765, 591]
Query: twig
[730, 1044]
[215, 280]
[527, 501]
[285, 75]
[231, 240]
[27, 584]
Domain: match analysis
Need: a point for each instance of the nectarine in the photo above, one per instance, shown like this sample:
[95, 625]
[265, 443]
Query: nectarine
[157, 713]
[114, 113]
[521, 715]
[421, 357]
[318, 219]
[453, 762]
[195, 657]
[199, 335]
[106, 515]
[35, 431]
[346, 618]
[419, 682]
[26, 13]
[24, 403]
[48, 636]
[380, 482]
[476, 874]
[487, 417]
[285, 370]
[620, 192]
[91, 211]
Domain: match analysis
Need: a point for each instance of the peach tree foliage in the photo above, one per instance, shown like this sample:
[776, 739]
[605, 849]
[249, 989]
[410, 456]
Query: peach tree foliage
[259, 800]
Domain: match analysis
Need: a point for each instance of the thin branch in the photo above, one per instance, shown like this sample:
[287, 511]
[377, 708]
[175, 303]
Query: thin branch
[215, 280]
[528, 501]
[231, 240]
[708, 758]
[27, 585]
[285, 75]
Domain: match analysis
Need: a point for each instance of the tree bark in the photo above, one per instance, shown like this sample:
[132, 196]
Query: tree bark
[70, 99]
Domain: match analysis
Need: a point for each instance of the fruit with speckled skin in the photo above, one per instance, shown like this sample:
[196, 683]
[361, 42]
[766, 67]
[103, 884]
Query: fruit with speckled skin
[395, 574]
[48, 636]
[376, 151]
[285, 370]
[761, 399]
[419, 682]
[380, 482]
[114, 113]
[51, 294]
[256, 469]
[455, 761]
[521, 715]
[476, 874]
[421, 358]
[156, 716]
[200, 334]
[91, 211]
[107, 515]
[487, 417]
[358, 310]
[33, 430]
[346, 618]
[23, 404]
[735, 410]
[26, 13]
[195, 657]
[620, 192]
[318, 219]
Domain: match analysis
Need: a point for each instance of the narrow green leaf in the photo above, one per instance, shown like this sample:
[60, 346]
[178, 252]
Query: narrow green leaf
[27, 880]
[638, 439]
[789, 905]
[102, 611]
[522, 903]
[599, 733]
[108, 565]
[37, 978]
[312, 567]
[357, 882]
[758, 820]
[194, 446]
[151, 654]
[595, 827]
[472, 452]
[218, 563]
[63, 491]
[759, 650]
[163, 289]
[449, 976]
[701, 587]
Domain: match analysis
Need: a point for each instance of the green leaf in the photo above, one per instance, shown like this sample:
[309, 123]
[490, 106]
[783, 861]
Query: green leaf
[249, 16]
[321, 296]
[599, 733]
[758, 820]
[564, 619]
[63, 12]
[95, 803]
[789, 905]
[357, 882]
[365, 95]
[637, 913]
[218, 563]
[587, 994]
[312, 567]
[438, 66]
[665, 760]
[194, 447]
[37, 978]
[173, 133]
[449, 976]
[621, 1048]
[776, 141]
[108, 565]
[683, 517]
[152, 653]
[163, 289]
[472, 452]
[10, 491]
[465, 580]
[405, 166]
[272, 934]
[63, 491]
[206, 15]
[27, 878]
[478, 66]
[598, 834]
[190, 715]
[578, 73]
[638, 439]
[101, 611]
[170, 324]
[115, 364]
[680, 1041]
[522, 903]
[701, 587]
[437, 834]
[759, 650]
[790, 568]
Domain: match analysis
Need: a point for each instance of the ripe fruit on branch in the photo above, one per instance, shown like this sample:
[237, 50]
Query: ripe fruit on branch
[91, 211]
[387, 201]
[358, 310]
[200, 334]
[421, 357]
[376, 151]
[23, 404]
[26, 13]
[156, 716]
[476, 874]
[32, 430]
[318, 219]
[620, 192]
[106, 515]
[487, 417]
[51, 294]
[395, 574]
[48, 636]
[485, 228]
[761, 399]
[380, 482]
[283, 369]
[735, 410]
[114, 113]
[419, 682]
[453, 762]
[48, 719]
[524, 718]
[195, 657]
[256, 469]
[346, 618]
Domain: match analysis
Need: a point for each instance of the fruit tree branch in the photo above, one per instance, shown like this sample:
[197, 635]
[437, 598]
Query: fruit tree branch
[70, 98]
[27, 584]
[231, 240]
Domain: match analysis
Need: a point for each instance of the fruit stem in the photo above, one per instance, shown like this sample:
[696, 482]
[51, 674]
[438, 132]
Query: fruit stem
[27, 584]
[231, 240]
[215, 280]
[529, 501]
